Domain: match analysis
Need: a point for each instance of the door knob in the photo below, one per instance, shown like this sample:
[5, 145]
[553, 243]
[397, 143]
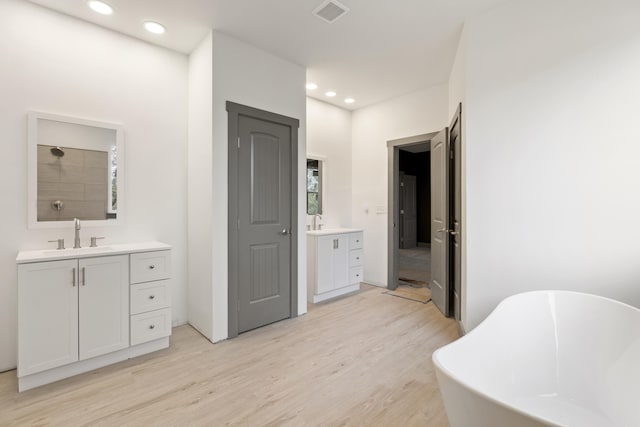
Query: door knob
[444, 230]
[284, 232]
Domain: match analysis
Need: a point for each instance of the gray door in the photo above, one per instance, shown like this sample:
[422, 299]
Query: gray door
[409, 212]
[440, 221]
[456, 203]
[264, 222]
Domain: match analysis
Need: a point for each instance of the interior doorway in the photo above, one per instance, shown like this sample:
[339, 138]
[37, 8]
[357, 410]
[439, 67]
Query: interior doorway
[414, 219]
[442, 260]
[409, 222]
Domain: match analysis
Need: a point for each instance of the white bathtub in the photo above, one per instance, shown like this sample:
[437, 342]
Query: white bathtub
[549, 358]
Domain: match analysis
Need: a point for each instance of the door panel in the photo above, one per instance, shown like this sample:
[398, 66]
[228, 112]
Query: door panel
[340, 261]
[264, 214]
[104, 305]
[440, 221]
[410, 213]
[325, 264]
[47, 315]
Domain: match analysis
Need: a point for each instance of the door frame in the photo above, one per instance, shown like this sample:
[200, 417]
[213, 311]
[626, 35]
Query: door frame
[393, 200]
[234, 112]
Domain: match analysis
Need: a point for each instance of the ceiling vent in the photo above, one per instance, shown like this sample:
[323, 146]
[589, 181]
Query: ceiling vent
[330, 11]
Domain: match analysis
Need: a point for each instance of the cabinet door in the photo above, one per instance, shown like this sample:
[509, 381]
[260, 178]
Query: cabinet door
[47, 315]
[104, 305]
[324, 265]
[340, 261]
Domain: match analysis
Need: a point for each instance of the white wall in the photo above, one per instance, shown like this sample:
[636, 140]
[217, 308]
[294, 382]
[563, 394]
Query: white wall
[246, 75]
[329, 137]
[420, 112]
[57, 64]
[200, 187]
[553, 150]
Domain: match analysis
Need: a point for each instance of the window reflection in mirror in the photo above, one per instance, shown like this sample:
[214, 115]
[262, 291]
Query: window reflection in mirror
[314, 187]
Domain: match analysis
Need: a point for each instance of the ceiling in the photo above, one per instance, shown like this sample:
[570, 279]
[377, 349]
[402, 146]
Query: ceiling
[378, 50]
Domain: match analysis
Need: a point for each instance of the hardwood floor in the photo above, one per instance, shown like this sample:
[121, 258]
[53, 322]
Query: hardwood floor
[360, 360]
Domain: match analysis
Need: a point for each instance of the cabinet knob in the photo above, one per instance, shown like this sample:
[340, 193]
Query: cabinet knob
[152, 296]
[152, 326]
[151, 267]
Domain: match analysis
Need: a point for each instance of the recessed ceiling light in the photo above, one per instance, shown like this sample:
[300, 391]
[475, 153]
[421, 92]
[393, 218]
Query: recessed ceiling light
[100, 7]
[330, 94]
[154, 27]
[312, 86]
[349, 100]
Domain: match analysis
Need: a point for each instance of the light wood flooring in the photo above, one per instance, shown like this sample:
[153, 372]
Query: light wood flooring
[415, 263]
[360, 360]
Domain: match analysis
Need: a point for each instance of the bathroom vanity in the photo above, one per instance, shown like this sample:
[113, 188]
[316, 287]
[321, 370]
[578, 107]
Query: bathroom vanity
[335, 260]
[81, 309]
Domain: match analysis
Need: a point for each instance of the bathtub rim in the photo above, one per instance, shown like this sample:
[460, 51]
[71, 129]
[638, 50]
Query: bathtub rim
[482, 325]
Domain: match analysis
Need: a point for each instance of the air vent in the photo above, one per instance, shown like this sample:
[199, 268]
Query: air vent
[330, 11]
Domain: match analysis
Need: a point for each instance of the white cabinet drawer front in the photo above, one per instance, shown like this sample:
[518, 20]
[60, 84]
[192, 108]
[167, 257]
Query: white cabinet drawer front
[149, 296]
[355, 275]
[355, 240]
[356, 258]
[149, 266]
[150, 326]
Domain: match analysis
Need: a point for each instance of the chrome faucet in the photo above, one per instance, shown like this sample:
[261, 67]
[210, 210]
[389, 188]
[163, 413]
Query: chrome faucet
[76, 240]
[315, 221]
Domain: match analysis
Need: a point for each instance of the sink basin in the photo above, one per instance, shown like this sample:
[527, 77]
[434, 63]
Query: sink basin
[78, 251]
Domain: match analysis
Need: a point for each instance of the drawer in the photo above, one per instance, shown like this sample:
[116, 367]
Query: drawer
[150, 326]
[148, 266]
[355, 240]
[355, 275]
[149, 296]
[356, 258]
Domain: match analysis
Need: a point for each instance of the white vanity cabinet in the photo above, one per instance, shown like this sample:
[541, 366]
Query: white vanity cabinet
[78, 309]
[334, 263]
[71, 310]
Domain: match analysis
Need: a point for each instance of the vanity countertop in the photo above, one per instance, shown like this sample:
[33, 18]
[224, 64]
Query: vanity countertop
[25, 257]
[328, 231]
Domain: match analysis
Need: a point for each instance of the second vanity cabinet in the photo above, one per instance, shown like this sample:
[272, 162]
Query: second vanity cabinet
[334, 263]
[77, 314]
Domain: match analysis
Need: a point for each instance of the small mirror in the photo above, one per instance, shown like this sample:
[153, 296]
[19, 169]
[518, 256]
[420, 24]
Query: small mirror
[314, 186]
[75, 171]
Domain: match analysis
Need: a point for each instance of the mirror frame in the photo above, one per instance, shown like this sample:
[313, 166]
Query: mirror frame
[323, 183]
[32, 170]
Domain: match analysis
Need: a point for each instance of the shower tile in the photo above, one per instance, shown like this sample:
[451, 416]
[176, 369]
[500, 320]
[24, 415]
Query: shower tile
[95, 192]
[49, 173]
[60, 191]
[96, 159]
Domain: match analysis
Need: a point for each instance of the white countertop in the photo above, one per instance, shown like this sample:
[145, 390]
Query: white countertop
[327, 231]
[25, 257]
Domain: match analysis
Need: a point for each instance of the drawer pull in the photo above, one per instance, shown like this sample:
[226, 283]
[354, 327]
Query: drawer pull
[151, 267]
[152, 326]
[357, 275]
[152, 296]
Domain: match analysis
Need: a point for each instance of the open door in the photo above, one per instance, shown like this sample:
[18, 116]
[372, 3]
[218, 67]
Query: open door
[455, 141]
[440, 221]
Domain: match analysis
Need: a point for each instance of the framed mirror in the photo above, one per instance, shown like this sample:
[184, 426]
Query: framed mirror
[314, 186]
[75, 170]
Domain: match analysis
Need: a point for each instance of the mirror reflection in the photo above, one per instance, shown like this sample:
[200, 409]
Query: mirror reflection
[76, 169]
[314, 187]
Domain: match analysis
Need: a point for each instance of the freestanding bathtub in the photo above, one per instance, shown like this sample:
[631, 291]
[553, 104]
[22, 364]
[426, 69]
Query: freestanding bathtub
[547, 358]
